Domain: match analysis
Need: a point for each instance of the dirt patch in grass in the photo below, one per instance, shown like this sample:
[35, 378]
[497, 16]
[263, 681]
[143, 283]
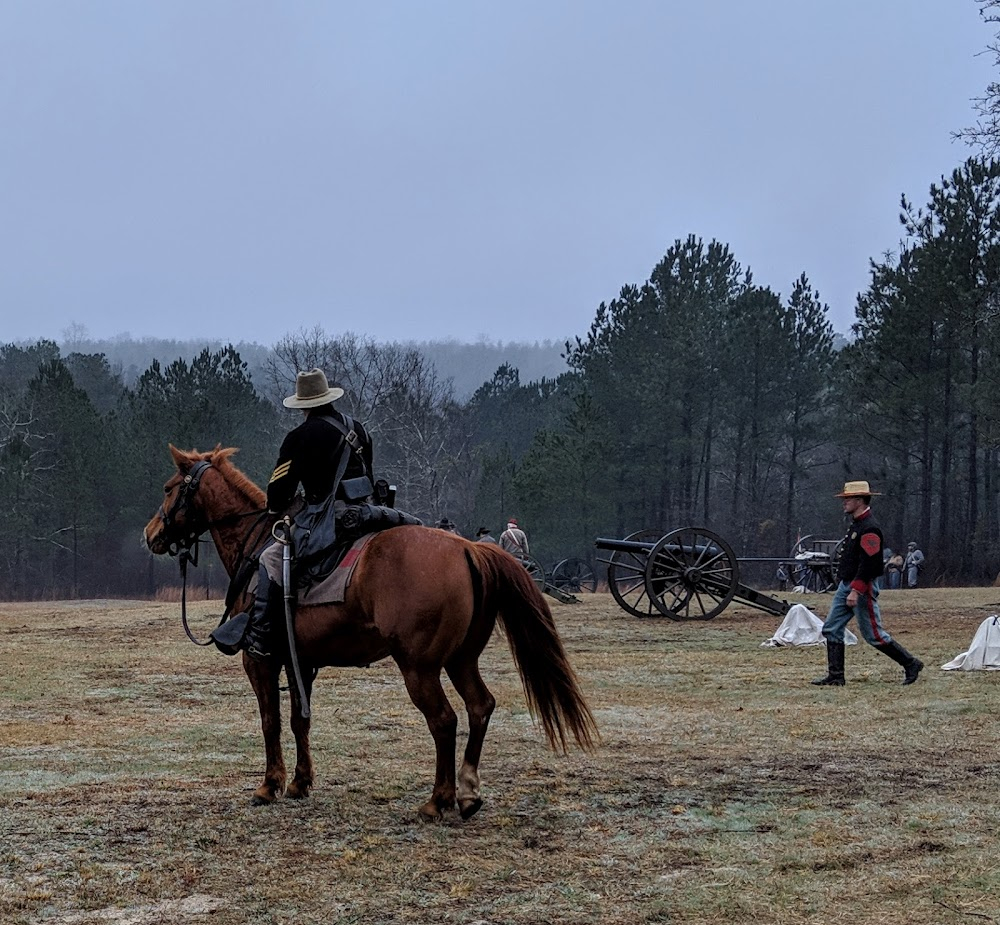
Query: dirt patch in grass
[726, 787]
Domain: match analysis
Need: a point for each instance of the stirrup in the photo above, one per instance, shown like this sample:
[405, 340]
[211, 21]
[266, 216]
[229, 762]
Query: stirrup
[255, 649]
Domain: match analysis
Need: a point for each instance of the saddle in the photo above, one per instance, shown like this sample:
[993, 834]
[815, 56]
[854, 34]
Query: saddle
[326, 548]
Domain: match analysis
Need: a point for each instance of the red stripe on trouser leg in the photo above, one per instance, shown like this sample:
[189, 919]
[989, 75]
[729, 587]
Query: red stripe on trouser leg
[879, 639]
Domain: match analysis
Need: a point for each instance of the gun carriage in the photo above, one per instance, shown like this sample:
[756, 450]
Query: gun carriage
[693, 574]
[567, 578]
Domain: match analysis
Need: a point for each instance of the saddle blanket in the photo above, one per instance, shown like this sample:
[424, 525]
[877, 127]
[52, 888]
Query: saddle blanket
[333, 588]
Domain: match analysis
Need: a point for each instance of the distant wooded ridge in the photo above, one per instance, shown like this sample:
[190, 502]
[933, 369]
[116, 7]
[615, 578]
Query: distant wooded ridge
[467, 365]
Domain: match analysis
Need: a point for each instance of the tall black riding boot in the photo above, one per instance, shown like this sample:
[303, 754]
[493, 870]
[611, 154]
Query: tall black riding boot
[912, 666]
[266, 611]
[835, 665]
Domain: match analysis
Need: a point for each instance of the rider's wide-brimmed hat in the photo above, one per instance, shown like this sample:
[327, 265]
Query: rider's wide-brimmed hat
[856, 490]
[312, 390]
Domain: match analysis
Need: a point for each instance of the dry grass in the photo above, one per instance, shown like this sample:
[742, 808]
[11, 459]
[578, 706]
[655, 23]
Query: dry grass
[726, 789]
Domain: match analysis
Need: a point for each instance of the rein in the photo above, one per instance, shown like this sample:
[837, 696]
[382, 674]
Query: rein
[181, 548]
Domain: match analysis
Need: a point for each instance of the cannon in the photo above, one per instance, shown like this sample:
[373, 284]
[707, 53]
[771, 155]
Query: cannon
[813, 563]
[688, 574]
[567, 578]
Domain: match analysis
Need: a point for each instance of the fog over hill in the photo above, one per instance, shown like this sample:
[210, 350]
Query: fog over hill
[468, 366]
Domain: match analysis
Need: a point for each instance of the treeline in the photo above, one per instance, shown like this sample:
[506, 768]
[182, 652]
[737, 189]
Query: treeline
[465, 365]
[698, 398]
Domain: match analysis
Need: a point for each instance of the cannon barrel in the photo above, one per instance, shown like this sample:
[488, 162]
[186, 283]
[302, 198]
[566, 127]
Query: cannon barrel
[646, 548]
[623, 545]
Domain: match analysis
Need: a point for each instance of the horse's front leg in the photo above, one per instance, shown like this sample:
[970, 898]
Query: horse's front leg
[302, 782]
[264, 680]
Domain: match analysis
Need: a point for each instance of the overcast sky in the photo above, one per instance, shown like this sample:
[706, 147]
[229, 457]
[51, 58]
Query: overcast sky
[241, 170]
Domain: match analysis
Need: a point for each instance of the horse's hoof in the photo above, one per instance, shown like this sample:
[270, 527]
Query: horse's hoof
[429, 812]
[469, 808]
[265, 796]
[298, 791]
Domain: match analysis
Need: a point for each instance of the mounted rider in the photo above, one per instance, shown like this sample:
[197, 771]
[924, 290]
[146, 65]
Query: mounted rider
[328, 454]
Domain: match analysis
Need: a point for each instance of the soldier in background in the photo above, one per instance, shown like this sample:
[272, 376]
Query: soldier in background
[513, 539]
[912, 565]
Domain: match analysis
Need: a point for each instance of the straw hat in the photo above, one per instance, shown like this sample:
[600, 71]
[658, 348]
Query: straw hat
[312, 390]
[856, 490]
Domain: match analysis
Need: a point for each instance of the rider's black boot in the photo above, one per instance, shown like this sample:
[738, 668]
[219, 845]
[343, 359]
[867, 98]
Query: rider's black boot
[266, 611]
[835, 665]
[912, 666]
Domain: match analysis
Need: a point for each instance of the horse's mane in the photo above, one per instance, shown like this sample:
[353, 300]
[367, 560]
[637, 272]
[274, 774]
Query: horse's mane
[221, 459]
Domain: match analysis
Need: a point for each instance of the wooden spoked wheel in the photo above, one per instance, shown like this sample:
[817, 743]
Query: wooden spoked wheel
[535, 570]
[813, 564]
[691, 574]
[627, 576]
[574, 575]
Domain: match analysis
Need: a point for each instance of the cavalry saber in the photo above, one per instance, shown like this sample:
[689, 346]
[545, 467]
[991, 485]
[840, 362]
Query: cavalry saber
[283, 534]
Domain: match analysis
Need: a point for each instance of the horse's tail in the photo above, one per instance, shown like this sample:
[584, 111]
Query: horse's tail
[505, 588]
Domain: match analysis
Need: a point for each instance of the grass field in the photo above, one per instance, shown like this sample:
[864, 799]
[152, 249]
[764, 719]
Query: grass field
[726, 788]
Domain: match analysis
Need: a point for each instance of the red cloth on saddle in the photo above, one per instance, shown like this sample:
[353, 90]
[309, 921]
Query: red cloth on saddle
[330, 590]
[333, 588]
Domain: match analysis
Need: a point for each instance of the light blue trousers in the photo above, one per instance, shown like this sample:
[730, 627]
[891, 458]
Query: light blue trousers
[866, 612]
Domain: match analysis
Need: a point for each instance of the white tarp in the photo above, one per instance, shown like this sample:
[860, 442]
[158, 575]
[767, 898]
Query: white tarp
[984, 653]
[801, 627]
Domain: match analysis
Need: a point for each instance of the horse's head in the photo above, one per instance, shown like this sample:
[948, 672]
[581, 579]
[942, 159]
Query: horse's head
[181, 519]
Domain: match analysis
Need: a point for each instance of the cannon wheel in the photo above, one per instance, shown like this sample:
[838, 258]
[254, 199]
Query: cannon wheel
[814, 575]
[804, 544]
[627, 577]
[535, 570]
[692, 574]
[574, 575]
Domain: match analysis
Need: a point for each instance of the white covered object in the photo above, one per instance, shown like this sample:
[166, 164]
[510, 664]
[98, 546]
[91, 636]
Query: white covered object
[984, 653]
[801, 627]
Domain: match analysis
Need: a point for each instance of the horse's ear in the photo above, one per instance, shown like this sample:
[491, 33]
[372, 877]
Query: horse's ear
[220, 455]
[180, 457]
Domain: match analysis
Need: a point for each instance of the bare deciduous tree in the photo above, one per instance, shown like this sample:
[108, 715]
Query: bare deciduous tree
[985, 133]
[420, 435]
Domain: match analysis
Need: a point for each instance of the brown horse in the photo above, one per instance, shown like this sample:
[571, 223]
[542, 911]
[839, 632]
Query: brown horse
[428, 598]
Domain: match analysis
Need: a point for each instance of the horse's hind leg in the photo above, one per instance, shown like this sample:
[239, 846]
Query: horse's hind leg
[264, 679]
[427, 694]
[302, 782]
[479, 704]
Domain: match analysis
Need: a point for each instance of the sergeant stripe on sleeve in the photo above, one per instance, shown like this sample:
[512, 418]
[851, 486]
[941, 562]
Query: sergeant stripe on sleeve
[281, 471]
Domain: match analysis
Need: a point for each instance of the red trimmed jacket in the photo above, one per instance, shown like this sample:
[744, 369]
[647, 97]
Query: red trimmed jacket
[861, 555]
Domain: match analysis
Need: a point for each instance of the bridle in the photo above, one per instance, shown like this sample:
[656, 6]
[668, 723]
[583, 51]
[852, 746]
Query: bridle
[180, 505]
[182, 546]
